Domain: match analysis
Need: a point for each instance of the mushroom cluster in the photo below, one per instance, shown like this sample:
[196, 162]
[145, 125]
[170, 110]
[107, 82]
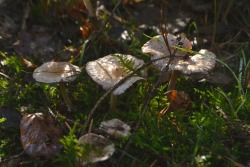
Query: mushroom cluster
[202, 62]
[39, 134]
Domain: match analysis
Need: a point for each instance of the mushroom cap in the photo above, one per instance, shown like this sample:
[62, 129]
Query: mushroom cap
[40, 135]
[115, 127]
[107, 71]
[100, 148]
[157, 48]
[53, 72]
[202, 62]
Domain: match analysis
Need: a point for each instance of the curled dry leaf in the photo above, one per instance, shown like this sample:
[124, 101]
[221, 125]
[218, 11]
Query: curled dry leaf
[86, 30]
[28, 63]
[40, 135]
[179, 100]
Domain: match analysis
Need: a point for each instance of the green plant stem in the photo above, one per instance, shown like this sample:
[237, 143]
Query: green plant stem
[65, 95]
[112, 102]
[173, 80]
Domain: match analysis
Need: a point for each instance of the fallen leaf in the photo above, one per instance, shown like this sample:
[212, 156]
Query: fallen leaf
[27, 63]
[179, 100]
[86, 29]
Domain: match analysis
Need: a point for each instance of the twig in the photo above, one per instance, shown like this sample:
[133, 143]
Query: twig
[6, 76]
[13, 157]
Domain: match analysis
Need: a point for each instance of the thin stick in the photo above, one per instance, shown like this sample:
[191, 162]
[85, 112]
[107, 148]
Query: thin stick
[12, 157]
[6, 76]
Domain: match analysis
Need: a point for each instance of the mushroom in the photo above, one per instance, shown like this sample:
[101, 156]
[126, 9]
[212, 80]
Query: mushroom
[95, 148]
[115, 127]
[40, 135]
[201, 62]
[57, 72]
[108, 71]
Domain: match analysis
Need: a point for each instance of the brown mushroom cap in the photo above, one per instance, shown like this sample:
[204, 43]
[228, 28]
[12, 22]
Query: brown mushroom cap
[53, 72]
[157, 48]
[107, 71]
[100, 148]
[40, 135]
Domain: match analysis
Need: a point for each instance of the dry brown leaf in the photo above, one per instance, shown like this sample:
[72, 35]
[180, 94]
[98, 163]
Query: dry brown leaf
[40, 135]
[179, 100]
[28, 63]
[86, 29]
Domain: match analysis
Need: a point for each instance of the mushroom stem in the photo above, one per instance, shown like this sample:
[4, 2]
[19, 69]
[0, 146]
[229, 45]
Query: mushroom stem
[173, 80]
[112, 102]
[65, 95]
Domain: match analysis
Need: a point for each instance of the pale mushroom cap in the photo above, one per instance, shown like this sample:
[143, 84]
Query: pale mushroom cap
[102, 148]
[157, 48]
[115, 127]
[107, 71]
[202, 62]
[53, 72]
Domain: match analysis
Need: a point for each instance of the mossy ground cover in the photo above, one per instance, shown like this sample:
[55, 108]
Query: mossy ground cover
[214, 130]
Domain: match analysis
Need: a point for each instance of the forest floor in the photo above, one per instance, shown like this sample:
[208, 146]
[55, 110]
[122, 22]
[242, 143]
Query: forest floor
[204, 122]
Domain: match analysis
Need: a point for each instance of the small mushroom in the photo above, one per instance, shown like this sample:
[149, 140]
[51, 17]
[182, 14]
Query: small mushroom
[115, 127]
[40, 135]
[157, 48]
[95, 148]
[201, 62]
[57, 72]
[107, 71]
